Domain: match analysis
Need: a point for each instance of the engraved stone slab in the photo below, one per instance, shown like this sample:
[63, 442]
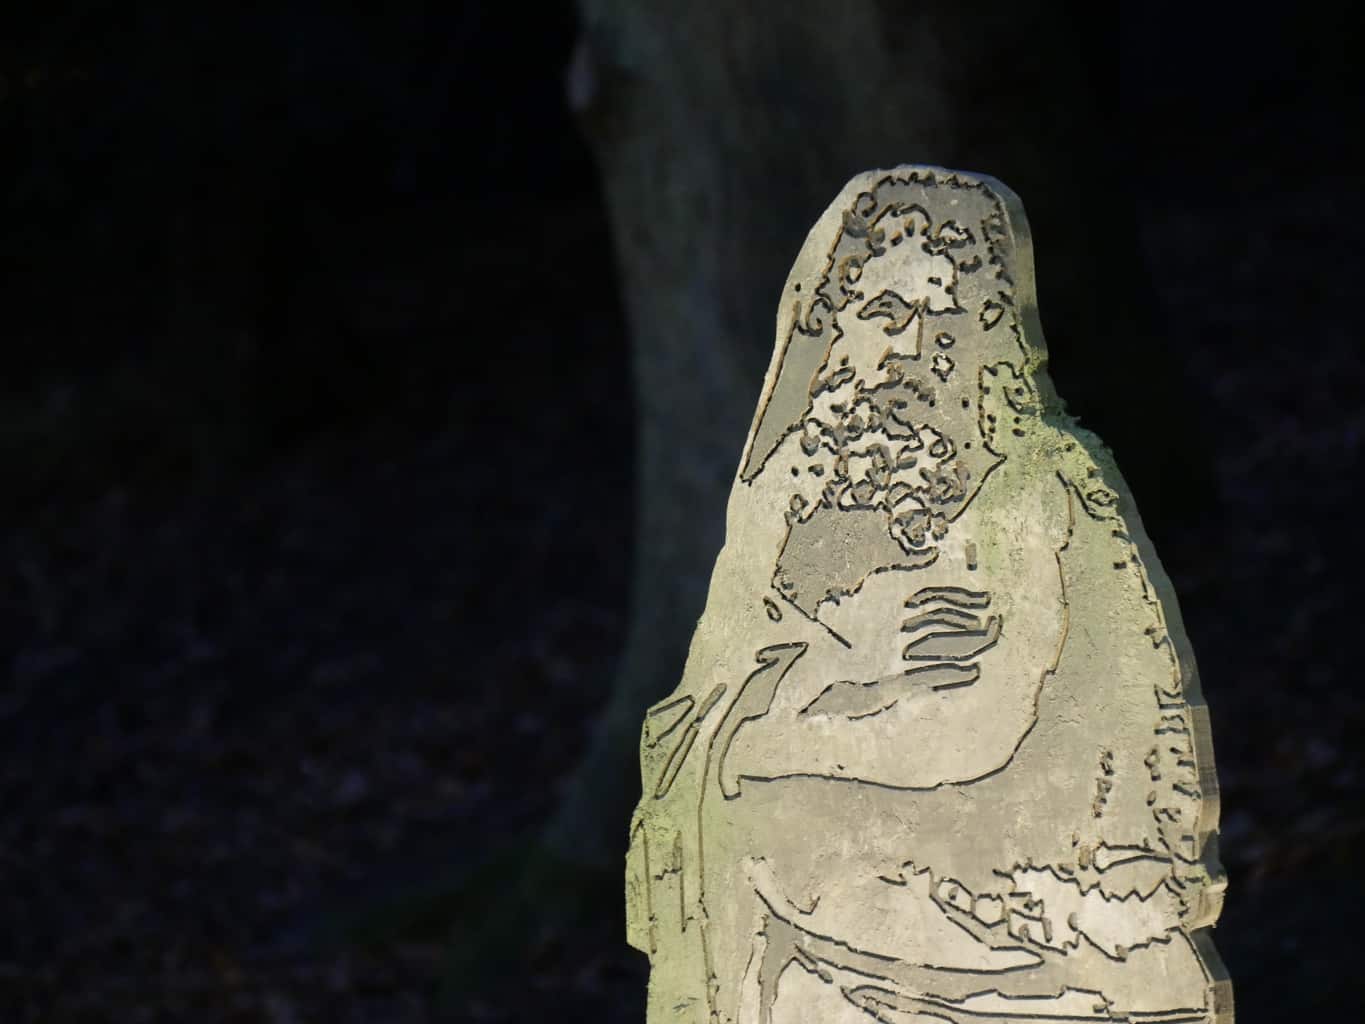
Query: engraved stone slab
[938, 752]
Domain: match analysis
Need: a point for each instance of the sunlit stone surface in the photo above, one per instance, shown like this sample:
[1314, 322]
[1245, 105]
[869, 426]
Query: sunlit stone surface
[938, 752]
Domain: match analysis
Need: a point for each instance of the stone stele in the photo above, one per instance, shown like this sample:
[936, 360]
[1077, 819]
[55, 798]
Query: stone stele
[938, 752]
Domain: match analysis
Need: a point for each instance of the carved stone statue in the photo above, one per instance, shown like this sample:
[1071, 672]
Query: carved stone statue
[938, 752]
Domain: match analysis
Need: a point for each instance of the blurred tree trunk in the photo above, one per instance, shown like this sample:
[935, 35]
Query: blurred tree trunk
[721, 133]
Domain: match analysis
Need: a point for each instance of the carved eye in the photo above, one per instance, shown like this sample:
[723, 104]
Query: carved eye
[936, 281]
[953, 235]
[886, 303]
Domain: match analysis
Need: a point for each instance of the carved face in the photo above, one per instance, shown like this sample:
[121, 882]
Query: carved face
[890, 447]
[941, 588]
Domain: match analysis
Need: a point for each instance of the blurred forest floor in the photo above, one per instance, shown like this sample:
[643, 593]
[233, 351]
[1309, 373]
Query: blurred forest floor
[257, 673]
[244, 698]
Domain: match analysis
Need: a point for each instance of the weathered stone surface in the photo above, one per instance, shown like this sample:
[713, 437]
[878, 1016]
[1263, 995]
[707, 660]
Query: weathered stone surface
[939, 752]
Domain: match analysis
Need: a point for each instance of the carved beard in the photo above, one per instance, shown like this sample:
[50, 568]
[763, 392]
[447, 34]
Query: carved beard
[886, 477]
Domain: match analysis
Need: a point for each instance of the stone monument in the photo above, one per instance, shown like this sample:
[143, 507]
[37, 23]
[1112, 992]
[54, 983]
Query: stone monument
[939, 751]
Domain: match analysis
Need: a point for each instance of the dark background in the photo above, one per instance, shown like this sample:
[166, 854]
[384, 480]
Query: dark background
[301, 605]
